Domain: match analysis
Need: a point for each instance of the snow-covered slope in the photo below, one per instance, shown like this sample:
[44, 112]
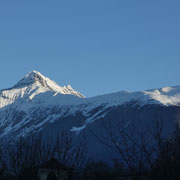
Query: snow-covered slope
[165, 96]
[33, 84]
[36, 101]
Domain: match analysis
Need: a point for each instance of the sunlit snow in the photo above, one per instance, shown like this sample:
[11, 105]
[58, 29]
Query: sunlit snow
[37, 91]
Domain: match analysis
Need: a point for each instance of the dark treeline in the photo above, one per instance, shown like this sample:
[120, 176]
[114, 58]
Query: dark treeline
[143, 151]
[23, 159]
[142, 154]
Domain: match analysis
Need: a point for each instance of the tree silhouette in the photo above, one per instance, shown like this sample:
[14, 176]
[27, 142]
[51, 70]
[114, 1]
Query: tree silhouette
[51, 176]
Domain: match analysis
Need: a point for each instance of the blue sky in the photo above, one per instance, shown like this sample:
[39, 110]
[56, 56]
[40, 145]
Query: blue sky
[97, 46]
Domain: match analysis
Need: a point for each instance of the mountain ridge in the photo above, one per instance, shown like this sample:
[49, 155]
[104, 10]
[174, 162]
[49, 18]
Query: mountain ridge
[35, 77]
[36, 94]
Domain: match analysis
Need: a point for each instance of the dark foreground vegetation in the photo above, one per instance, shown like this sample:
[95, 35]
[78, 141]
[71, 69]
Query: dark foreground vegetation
[142, 154]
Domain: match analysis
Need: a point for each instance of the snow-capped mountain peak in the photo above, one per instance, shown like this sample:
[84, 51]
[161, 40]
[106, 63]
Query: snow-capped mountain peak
[35, 78]
[31, 85]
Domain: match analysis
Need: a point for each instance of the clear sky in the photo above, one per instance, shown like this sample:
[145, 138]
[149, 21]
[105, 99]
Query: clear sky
[97, 46]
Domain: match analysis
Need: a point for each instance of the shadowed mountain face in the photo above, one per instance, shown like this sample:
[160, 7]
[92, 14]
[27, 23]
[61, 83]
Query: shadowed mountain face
[38, 104]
